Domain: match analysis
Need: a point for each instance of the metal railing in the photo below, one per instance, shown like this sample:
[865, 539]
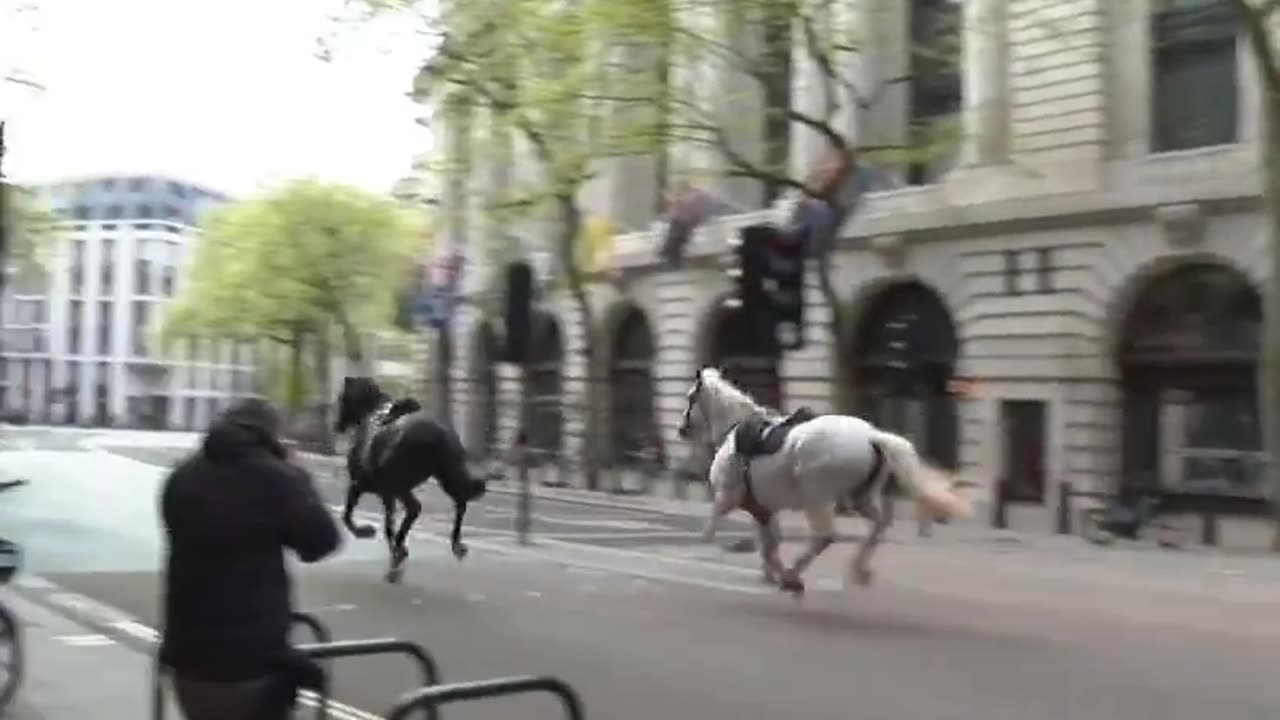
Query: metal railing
[431, 698]
[325, 648]
[379, 646]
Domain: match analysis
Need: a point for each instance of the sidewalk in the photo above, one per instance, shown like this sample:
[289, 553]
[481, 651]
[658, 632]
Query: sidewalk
[75, 672]
[662, 499]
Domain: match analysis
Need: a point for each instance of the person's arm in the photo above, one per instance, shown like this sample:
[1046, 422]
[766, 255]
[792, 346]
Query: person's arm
[309, 528]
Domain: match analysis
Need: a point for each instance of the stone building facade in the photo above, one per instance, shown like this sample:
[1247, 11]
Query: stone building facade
[1077, 299]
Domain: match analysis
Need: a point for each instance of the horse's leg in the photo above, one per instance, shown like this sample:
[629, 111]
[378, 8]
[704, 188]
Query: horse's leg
[724, 503]
[872, 507]
[412, 509]
[389, 521]
[363, 531]
[770, 540]
[768, 573]
[455, 536]
[821, 536]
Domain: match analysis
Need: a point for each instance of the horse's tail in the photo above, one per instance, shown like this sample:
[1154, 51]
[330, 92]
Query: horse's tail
[931, 487]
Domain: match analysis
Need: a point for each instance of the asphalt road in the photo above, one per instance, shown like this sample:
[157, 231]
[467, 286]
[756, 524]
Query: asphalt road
[695, 641]
[553, 518]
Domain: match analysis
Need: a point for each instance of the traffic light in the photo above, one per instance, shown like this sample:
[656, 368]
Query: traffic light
[769, 271]
[785, 287]
[748, 269]
[519, 311]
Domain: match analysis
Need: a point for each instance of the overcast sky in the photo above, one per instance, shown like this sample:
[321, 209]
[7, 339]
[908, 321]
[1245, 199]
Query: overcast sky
[227, 93]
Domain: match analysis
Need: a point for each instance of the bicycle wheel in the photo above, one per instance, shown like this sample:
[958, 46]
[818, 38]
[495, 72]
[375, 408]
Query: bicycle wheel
[11, 658]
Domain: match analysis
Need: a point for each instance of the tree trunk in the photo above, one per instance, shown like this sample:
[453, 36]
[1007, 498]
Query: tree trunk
[352, 346]
[324, 405]
[295, 387]
[1269, 368]
[570, 225]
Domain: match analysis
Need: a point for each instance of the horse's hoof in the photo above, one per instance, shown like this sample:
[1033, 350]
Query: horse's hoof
[364, 532]
[394, 575]
[460, 551]
[398, 556]
[791, 583]
[863, 576]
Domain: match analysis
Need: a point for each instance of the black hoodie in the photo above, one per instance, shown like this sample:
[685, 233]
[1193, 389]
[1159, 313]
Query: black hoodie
[230, 511]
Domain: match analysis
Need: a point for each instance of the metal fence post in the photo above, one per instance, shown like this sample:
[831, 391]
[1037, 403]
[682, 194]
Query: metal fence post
[1064, 508]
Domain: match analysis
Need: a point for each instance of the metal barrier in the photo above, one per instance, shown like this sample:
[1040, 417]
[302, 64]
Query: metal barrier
[380, 646]
[311, 622]
[430, 698]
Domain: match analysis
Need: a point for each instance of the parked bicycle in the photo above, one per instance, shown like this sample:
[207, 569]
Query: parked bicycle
[1128, 516]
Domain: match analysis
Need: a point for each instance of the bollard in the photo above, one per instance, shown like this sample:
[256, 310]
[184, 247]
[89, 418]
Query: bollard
[999, 513]
[523, 500]
[1209, 528]
[1064, 508]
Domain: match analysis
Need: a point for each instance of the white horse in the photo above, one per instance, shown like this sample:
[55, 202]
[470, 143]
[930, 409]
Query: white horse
[765, 463]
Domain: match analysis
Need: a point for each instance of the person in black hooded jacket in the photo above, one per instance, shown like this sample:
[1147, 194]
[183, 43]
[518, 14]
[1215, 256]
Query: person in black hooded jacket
[230, 510]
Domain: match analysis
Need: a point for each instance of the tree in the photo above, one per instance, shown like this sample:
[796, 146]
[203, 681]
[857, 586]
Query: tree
[753, 120]
[294, 263]
[29, 232]
[542, 72]
[1259, 20]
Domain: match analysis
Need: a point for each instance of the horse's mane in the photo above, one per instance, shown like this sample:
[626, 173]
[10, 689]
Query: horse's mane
[720, 385]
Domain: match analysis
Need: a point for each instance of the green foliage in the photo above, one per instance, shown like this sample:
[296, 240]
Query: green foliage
[31, 231]
[297, 259]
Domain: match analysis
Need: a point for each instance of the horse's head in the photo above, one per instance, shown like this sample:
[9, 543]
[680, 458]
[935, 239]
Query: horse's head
[716, 403]
[359, 397]
[693, 402]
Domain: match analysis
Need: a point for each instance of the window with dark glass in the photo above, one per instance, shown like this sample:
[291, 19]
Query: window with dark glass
[113, 212]
[144, 212]
[1011, 272]
[75, 318]
[1044, 270]
[108, 267]
[77, 267]
[142, 276]
[167, 275]
[105, 311]
[81, 212]
[935, 90]
[136, 184]
[109, 184]
[1195, 93]
[141, 315]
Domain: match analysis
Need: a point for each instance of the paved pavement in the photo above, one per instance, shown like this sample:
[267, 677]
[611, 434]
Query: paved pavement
[671, 629]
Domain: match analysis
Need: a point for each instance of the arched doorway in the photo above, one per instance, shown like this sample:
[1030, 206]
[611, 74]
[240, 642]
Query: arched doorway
[483, 394]
[755, 372]
[632, 420]
[1188, 359]
[905, 351]
[543, 387]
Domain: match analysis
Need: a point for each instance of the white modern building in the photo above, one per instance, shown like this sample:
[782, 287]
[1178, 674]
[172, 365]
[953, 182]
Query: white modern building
[1091, 261]
[78, 345]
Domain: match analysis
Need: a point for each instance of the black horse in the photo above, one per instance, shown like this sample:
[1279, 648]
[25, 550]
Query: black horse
[397, 447]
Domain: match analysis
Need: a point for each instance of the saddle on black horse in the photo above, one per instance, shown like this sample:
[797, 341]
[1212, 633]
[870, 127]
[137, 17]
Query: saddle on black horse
[758, 435]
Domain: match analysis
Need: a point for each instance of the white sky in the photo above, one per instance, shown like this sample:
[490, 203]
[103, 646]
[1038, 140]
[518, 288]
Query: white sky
[226, 93]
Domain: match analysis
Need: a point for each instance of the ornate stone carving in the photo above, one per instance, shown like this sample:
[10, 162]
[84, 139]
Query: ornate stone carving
[891, 248]
[1182, 224]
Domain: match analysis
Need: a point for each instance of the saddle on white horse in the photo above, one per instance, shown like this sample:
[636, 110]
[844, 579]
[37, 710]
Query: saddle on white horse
[759, 435]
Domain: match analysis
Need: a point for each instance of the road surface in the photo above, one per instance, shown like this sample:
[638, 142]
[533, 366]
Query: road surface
[650, 626]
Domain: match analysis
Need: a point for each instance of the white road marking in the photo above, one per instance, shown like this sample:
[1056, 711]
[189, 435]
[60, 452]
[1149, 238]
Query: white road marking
[141, 631]
[651, 574]
[90, 640]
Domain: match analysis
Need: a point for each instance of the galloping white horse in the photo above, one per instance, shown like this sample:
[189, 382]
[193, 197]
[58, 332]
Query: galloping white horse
[765, 463]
